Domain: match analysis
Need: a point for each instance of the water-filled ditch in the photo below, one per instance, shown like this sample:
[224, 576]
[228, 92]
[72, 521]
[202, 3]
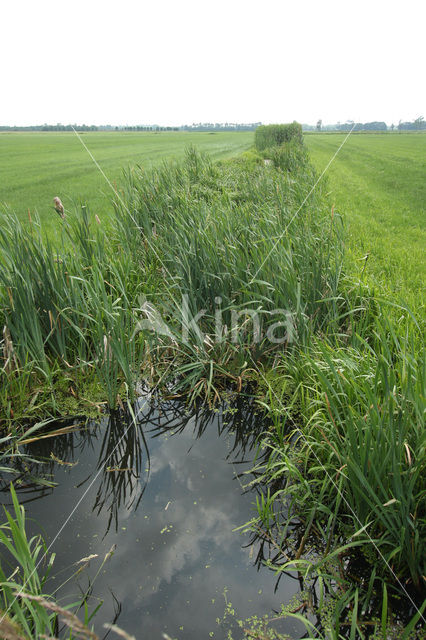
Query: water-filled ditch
[166, 490]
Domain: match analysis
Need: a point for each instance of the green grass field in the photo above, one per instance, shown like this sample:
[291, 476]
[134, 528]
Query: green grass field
[378, 183]
[35, 167]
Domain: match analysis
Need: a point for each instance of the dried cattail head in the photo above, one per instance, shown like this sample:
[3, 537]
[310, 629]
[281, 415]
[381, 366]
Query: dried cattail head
[59, 206]
[10, 363]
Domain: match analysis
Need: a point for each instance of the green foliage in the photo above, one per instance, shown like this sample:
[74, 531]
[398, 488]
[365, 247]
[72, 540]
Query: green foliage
[346, 452]
[25, 612]
[290, 156]
[274, 135]
[36, 166]
[339, 616]
[250, 158]
[211, 225]
[28, 617]
[68, 310]
[355, 467]
[193, 228]
[282, 145]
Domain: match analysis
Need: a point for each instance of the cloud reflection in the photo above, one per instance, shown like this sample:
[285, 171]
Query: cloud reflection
[176, 545]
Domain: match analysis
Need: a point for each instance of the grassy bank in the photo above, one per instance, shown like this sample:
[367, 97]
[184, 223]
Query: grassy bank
[212, 274]
[377, 182]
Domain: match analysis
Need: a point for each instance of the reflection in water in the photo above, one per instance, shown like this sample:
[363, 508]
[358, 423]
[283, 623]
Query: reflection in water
[121, 462]
[162, 485]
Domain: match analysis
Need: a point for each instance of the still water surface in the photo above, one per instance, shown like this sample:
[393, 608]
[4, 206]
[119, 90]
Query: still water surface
[167, 491]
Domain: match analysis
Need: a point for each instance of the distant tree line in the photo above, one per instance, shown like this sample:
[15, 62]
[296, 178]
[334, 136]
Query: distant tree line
[347, 126]
[418, 124]
[220, 126]
[142, 127]
[200, 126]
[363, 126]
[52, 127]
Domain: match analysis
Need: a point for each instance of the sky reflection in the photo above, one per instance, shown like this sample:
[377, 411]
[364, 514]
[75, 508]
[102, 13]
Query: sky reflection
[172, 515]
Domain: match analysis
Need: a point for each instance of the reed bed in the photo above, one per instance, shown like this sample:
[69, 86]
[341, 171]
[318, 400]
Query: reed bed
[226, 238]
[354, 461]
[193, 231]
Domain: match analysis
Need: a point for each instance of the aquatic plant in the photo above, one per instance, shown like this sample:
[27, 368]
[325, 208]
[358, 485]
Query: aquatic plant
[347, 451]
[25, 616]
[26, 612]
[223, 238]
[336, 616]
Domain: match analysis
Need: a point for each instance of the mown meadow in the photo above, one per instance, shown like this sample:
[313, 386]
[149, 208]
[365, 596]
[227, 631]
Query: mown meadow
[241, 244]
[35, 167]
[377, 181]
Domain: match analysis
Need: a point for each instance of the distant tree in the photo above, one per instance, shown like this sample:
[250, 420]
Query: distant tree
[392, 126]
[416, 125]
[374, 126]
[319, 125]
[419, 123]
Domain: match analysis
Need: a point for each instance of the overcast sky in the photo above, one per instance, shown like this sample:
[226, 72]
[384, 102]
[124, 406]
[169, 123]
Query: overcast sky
[184, 61]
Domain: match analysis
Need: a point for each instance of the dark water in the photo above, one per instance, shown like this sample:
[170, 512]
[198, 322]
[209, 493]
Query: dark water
[166, 491]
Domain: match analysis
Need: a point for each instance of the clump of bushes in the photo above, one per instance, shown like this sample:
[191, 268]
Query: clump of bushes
[282, 145]
[275, 135]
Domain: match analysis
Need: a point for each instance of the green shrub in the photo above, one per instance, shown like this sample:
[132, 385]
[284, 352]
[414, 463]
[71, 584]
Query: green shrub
[274, 135]
[290, 156]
